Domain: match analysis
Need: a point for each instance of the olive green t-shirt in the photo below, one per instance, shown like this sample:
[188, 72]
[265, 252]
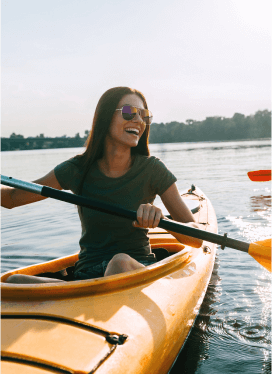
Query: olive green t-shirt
[104, 235]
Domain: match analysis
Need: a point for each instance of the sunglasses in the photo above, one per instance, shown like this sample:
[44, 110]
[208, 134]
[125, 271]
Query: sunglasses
[129, 112]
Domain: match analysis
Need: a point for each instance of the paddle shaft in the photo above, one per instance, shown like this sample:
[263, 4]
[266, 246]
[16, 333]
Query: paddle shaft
[168, 225]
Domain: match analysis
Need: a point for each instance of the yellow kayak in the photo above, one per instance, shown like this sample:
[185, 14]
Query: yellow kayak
[130, 323]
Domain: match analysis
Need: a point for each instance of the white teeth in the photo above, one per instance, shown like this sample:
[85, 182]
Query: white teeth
[134, 131]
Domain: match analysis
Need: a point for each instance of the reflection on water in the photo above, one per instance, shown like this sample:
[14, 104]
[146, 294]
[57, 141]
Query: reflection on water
[197, 347]
[211, 146]
[260, 202]
[232, 331]
[218, 148]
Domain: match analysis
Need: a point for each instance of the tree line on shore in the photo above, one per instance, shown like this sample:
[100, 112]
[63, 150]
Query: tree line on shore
[211, 129]
[214, 129]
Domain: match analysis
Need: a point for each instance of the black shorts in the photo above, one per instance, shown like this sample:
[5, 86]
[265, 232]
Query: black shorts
[98, 271]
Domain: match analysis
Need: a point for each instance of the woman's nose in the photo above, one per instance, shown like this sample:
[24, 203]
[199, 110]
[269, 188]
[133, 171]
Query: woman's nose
[138, 118]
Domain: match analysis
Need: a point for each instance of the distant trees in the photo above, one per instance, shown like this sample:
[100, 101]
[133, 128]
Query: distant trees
[15, 136]
[211, 129]
[214, 128]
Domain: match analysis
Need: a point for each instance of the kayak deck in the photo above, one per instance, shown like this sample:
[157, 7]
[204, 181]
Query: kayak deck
[134, 322]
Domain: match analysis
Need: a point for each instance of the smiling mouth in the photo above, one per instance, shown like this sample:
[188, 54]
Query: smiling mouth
[132, 131]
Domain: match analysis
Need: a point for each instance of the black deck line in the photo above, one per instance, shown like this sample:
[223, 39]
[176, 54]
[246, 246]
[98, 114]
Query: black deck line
[58, 369]
[63, 320]
[35, 363]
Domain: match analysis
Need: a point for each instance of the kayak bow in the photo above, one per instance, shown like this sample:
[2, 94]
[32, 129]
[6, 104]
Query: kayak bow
[130, 323]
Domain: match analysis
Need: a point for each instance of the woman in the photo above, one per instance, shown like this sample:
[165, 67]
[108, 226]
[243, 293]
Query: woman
[116, 168]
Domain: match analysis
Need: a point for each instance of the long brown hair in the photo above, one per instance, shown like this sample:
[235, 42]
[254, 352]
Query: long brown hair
[102, 119]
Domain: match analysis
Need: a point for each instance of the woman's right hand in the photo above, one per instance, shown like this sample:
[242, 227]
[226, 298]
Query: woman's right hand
[148, 216]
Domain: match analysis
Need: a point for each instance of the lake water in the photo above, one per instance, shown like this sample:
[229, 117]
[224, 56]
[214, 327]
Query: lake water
[232, 333]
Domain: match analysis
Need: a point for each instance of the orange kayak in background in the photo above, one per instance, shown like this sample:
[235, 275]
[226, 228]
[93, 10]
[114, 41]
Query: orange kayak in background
[131, 323]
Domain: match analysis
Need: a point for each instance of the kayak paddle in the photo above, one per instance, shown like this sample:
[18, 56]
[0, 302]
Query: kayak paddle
[260, 251]
[260, 175]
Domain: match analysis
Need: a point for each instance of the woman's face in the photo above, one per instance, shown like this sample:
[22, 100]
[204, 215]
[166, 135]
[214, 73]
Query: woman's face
[123, 132]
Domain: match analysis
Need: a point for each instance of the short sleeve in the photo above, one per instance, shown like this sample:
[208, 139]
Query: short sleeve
[162, 177]
[68, 175]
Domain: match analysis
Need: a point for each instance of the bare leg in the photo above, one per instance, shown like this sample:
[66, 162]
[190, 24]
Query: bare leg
[122, 263]
[25, 279]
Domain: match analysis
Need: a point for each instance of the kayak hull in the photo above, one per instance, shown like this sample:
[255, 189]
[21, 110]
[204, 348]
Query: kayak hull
[71, 326]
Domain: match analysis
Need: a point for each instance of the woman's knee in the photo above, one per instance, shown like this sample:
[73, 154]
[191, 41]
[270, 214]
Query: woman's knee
[124, 262]
[120, 258]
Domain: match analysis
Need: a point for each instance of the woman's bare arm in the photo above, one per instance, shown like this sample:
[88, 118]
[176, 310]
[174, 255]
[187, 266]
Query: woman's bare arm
[13, 197]
[181, 213]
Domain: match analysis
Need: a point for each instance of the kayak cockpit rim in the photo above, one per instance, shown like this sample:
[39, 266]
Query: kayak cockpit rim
[103, 285]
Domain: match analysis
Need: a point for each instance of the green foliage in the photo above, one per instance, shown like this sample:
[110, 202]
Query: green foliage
[211, 129]
[15, 136]
[214, 129]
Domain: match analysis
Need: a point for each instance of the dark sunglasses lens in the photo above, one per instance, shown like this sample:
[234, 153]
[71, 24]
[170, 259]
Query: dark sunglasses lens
[128, 112]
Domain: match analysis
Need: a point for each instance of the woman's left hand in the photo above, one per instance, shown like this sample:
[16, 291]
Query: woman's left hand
[148, 216]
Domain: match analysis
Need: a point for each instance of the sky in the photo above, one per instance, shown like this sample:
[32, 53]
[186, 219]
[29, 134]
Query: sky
[192, 59]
